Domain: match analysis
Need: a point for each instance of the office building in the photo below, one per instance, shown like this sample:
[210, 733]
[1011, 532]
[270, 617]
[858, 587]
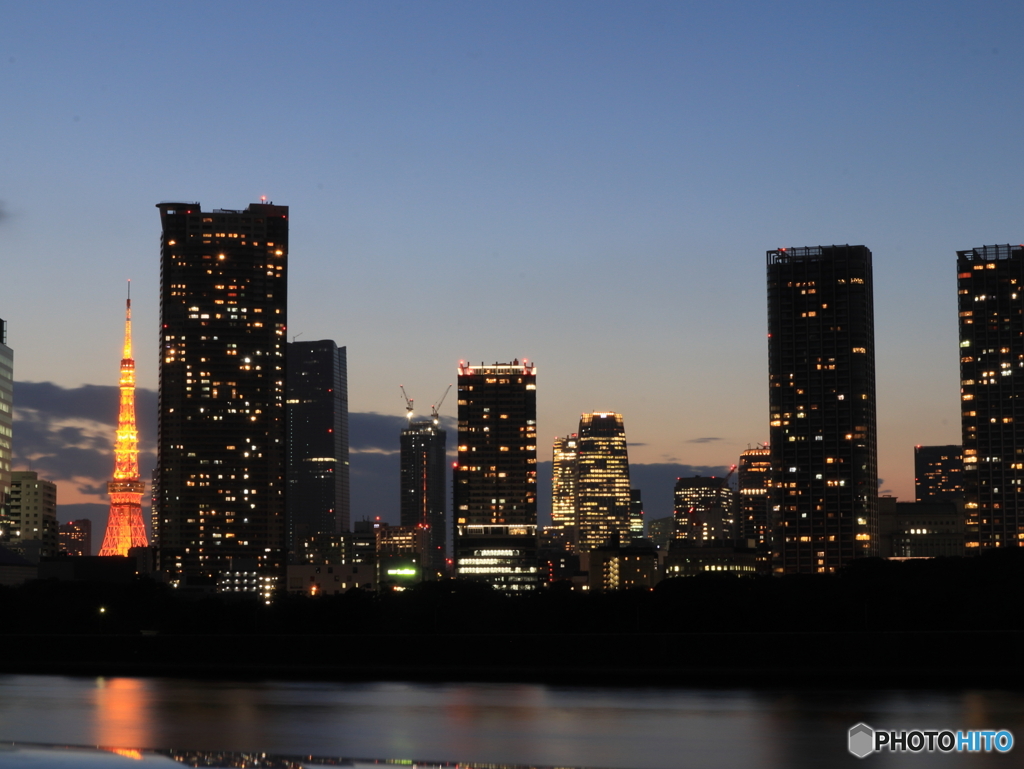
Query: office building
[563, 491]
[33, 514]
[223, 312]
[317, 470]
[424, 444]
[636, 514]
[920, 529]
[705, 509]
[621, 567]
[75, 537]
[495, 478]
[990, 282]
[938, 473]
[125, 526]
[402, 552]
[661, 531]
[821, 370]
[753, 475]
[6, 429]
[602, 482]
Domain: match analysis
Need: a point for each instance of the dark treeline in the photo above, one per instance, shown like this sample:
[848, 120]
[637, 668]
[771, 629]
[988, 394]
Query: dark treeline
[942, 594]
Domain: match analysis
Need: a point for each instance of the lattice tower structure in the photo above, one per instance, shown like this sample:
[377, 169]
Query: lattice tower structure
[125, 528]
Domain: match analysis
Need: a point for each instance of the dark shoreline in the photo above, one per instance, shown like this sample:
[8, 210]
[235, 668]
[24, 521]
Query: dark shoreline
[870, 659]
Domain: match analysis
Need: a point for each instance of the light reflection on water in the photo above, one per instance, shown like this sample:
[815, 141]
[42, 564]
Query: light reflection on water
[499, 723]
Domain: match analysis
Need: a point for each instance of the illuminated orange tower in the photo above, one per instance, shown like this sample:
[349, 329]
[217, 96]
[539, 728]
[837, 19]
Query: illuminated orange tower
[125, 528]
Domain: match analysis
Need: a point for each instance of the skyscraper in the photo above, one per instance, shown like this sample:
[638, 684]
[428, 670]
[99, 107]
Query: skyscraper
[495, 484]
[938, 473]
[636, 514]
[821, 371]
[317, 497]
[602, 482]
[223, 311]
[753, 476]
[704, 509]
[423, 461]
[125, 527]
[990, 283]
[563, 490]
[6, 428]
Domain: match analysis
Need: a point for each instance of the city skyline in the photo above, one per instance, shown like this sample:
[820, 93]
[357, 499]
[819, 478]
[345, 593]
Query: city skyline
[581, 156]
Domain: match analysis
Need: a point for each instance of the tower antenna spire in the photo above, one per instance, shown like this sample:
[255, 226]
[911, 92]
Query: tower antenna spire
[125, 528]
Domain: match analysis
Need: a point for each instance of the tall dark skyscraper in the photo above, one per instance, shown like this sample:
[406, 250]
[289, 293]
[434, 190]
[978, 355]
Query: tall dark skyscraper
[821, 370]
[938, 473]
[223, 311]
[424, 446]
[317, 496]
[495, 484]
[990, 280]
[602, 482]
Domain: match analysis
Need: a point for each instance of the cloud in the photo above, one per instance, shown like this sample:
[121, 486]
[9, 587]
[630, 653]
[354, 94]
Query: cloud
[704, 440]
[67, 435]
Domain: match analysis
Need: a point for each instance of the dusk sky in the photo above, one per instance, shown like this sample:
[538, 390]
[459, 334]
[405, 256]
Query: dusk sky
[589, 185]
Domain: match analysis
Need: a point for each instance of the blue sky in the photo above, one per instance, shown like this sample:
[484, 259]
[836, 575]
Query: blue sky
[589, 185]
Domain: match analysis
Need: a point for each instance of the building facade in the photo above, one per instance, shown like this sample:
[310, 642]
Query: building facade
[753, 475]
[563, 491]
[33, 512]
[221, 444]
[938, 473]
[636, 514]
[602, 482]
[317, 470]
[495, 478]
[990, 282]
[821, 369]
[424, 446]
[75, 537]
[705, 509]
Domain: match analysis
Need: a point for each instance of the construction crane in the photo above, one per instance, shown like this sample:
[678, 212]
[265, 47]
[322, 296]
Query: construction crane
[437, 407]
[408, 403]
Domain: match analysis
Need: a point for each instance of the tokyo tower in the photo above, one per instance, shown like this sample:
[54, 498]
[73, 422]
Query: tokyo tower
[125, 528]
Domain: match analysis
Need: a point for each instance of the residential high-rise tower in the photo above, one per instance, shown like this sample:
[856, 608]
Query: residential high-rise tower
[495, 483]
[821, 370]
[602, 482]
[990, 282]
[753, 476]
[423, 463]
[563, 490]
[223, 311]
[317, 496]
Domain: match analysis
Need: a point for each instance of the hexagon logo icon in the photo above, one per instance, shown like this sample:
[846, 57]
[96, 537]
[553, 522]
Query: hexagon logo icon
[861, 740]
